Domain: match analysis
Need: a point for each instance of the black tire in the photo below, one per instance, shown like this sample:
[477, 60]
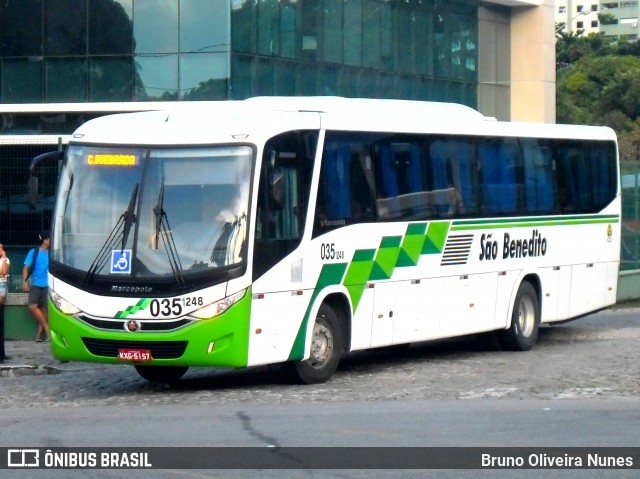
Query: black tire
[327, 345]
[525, 321]
[161, 374]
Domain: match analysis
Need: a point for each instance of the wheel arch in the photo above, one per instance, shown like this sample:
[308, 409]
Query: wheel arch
[534, 280]
[342, 307]
[338, 300]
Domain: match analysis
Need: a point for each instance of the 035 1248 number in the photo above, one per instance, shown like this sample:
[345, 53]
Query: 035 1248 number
[173, 306]
[328, 251]
[166, 307]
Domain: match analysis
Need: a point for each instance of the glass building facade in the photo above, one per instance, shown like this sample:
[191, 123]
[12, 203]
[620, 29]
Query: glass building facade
[54, 51]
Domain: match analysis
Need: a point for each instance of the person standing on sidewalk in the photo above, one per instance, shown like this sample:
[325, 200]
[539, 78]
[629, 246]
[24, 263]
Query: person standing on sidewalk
[4, 288]
[37, 263]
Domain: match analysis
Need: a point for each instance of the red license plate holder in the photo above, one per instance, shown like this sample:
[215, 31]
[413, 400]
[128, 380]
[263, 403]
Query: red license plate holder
[135, 355]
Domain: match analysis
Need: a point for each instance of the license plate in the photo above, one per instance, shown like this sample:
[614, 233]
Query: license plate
[134, 354]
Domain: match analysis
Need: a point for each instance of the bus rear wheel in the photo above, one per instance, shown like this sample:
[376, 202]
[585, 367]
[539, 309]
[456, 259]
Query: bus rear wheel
[327, 345]
[525, 321]
[161, 374]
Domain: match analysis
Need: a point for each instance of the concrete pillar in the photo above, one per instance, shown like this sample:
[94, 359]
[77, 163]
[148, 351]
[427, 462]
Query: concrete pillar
[533, 63]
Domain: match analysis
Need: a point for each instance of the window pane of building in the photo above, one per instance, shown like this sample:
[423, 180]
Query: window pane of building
[385, 85]
[404, 87]
[352, 46]
[406, 39]
[21, 81]
[308, 80]
[285, 78]
[369, 84]
[312, 35]
[21, 28]
[268, 27]
[288, 29]
[441, 46]
[242, 75]
[330, 75]
[371, 33]
[388, 37]
[332, 31]
[204, 76]
[424, 42]
[243, 19]
[463, 48]
[351, 82]
[204, 25]
[65, 27]
[156, 77]
[265, 78]
[155, 26]
[66, 80]
[111, 79]
[110, 27]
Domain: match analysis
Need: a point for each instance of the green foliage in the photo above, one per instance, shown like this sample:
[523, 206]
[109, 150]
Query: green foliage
[598, 83]
[607, 18]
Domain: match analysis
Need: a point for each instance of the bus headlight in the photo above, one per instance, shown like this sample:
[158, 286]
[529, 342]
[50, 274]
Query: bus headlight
[63, 305]
[215, 309]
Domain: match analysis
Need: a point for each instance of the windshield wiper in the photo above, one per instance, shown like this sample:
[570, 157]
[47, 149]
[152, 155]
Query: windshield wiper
[164, 230]
[121, 228]
[129, 216]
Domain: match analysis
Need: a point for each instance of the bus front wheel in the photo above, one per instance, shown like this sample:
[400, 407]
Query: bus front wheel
[161, 374]
[525, 321]
[327, 345]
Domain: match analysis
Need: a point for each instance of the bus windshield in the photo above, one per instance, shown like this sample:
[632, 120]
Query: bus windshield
[152, 213]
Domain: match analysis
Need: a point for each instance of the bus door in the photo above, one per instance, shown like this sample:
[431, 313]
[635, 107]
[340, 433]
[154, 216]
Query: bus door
[283, 194]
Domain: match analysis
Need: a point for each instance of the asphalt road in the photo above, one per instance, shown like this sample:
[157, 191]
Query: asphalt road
[580, 386]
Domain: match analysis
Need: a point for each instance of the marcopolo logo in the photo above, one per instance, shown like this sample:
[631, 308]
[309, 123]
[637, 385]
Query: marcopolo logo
[535, 245]
[23, 458]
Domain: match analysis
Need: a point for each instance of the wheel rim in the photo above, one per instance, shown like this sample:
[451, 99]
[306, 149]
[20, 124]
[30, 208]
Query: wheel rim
[321, 345]
[526, 316]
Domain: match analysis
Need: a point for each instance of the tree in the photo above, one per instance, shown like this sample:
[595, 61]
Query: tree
[598, 83]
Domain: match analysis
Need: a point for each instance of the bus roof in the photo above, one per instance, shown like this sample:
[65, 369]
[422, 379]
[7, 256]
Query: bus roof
[258, 118]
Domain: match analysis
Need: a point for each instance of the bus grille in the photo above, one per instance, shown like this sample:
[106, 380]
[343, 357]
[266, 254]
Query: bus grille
[119, 325]
[159, 349]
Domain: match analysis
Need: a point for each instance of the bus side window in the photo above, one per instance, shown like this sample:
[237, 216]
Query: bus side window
[603, 179]
[498, 160]
[540, 195]
[572, 179]
[346, 187]
[283, 195]
[453, 176]
[586, 178]
[400, 181]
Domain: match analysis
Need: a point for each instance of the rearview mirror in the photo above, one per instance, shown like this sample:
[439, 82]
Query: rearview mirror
[32, 192]
[32, 183]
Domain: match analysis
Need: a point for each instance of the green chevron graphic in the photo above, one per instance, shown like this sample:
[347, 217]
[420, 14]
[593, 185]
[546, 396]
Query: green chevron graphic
[139, 306]
[375, 264]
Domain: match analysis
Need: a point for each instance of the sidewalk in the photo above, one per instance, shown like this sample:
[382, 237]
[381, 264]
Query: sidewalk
[31, 358]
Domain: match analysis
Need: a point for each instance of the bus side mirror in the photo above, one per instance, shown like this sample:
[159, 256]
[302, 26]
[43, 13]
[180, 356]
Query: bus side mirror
[32, 183]
[32, 192]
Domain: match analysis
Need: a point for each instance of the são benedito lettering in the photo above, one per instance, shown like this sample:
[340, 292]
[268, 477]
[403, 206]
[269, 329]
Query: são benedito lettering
[531, 247]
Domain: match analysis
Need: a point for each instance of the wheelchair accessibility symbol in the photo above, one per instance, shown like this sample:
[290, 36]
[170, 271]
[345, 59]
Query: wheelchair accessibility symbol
[121, 261]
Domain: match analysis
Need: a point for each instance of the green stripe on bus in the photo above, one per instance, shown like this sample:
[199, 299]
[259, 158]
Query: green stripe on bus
[139, 306]
[331, 274]
[465, 225]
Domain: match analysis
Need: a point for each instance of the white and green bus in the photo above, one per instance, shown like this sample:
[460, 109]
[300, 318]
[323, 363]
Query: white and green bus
[295, 230]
